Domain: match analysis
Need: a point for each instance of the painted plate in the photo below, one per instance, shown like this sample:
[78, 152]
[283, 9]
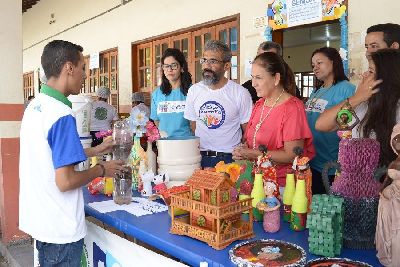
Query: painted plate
[267, 252]
[336, 262]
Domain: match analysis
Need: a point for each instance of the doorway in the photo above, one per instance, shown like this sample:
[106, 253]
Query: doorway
[299, 43]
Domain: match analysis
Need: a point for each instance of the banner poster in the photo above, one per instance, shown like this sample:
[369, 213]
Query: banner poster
[288, 13]
[300, 12]
[105, 249]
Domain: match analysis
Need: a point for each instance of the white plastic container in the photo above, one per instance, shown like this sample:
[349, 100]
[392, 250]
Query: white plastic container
[179, 157]
[84, 165]
[82, 107]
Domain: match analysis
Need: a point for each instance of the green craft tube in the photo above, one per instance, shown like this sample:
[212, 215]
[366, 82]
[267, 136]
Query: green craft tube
[257, 194]
[288, 195]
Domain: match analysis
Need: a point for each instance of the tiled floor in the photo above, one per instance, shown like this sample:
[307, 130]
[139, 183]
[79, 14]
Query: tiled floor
[22, 254]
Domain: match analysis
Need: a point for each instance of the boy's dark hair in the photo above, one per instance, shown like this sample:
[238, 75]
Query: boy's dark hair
[391, 32]
[56, 54]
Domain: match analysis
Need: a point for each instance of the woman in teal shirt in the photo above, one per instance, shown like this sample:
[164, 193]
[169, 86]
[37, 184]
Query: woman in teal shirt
[168, 100]
[332, 88]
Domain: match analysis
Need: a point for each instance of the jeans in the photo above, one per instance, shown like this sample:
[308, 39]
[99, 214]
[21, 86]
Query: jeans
[207, 161]
[60, 255]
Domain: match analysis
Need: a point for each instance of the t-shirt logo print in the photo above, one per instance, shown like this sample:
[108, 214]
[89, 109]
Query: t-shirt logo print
[212, 114]
[100, 113]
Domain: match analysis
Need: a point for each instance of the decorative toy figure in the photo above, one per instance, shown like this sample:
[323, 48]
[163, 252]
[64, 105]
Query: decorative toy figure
[265, 165]
[147, 178]
[344, 118]
[160, 182]
[270, 205]
[288, 195]
[303, 172]
[387, 236]
[302, 196]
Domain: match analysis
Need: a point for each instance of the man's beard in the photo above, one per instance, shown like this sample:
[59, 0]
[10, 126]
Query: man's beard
[210, 77]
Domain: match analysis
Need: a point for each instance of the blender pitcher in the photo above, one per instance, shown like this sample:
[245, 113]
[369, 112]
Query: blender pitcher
[122, 135]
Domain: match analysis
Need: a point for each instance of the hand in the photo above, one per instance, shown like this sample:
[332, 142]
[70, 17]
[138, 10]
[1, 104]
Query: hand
[115, 167]
[243, 152]
[106, 146]
[366, 88]
[237, 152]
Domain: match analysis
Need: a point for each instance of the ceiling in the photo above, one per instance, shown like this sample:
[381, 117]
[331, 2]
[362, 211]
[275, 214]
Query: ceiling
[26, 4]
[311, 35]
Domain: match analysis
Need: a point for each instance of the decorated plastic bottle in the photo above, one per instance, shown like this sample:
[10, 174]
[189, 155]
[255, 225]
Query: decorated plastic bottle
[288, 195]
[299, 207]
[257, 194]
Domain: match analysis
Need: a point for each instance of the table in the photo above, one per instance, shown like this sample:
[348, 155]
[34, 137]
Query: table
[154, 230]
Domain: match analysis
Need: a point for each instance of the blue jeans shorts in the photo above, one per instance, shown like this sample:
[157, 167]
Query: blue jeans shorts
[60, 255]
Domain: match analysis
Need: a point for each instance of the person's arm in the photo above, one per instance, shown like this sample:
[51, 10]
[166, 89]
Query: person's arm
[244, 127]
[193, 126]
[279, 156]
[105, 147]
[326, 122]
[68, 179]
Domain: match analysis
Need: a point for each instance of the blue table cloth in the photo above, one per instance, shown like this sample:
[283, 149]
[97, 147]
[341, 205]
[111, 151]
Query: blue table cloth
[154, 230]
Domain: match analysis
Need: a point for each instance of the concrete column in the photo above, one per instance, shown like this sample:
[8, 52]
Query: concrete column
[11, 111]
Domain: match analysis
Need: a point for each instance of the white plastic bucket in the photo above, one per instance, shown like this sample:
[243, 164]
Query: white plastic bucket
[179, 157]
[82, 107]
[84, 165]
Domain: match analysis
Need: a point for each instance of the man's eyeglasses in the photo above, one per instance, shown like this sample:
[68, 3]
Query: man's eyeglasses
[173, 66]
[211, 61]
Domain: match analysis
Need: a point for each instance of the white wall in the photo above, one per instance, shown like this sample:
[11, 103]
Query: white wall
[299, 57]
[137, 20]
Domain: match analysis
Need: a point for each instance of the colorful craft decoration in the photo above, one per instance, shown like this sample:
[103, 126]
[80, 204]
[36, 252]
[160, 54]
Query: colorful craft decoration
[325, 224]
[267, 252]
[213, 217]
[344, 120]
[387, 238]
[302, 196]
[270, 206]
[330, 262]
[358, 160]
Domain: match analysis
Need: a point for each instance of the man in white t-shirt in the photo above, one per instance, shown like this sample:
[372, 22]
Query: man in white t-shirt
[218, 108]
[51, 207]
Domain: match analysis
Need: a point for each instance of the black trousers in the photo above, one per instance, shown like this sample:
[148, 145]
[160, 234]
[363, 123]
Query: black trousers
[317, 184]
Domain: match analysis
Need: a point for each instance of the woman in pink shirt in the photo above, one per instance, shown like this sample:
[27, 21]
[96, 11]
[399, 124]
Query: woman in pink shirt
[278, 120]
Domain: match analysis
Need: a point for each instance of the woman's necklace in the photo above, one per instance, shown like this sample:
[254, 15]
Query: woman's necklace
[260, 122]
[313, 101]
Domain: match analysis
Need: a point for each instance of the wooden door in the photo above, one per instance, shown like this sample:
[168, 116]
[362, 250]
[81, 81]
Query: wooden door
[199, 38]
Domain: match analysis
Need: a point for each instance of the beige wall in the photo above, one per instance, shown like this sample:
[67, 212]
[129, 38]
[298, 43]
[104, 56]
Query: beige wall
[140, 19]
[137, 20]
[363, 14]
[11, 57]
[299, 57]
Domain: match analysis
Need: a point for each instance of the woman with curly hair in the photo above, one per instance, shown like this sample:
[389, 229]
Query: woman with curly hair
[168, 100]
